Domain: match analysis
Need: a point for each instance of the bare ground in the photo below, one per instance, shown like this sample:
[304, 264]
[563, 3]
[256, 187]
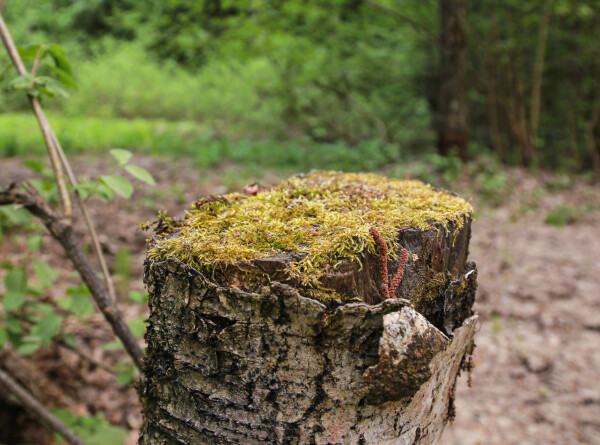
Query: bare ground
[537, 374]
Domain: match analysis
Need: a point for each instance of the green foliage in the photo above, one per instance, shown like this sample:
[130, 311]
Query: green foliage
[26, 321]
[37, 85]
[562, 215]
[93, 430]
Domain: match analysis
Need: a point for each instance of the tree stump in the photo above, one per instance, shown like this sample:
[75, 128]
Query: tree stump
[272, 321]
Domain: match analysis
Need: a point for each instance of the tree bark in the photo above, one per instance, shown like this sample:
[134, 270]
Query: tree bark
[453, 124]
[224, 366]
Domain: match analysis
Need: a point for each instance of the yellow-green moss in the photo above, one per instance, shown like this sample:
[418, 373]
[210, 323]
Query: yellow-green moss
[322, 216]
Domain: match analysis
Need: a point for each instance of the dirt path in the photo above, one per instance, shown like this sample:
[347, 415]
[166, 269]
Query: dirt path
[537, 375]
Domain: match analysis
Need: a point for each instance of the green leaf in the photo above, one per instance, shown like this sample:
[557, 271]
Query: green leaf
[92, 430]
[139, 297]
[60, 58]
[16, 280]
[13, 300]
[126, 377]
[13, 326]
[45, 272]
[113, 345]
[103, 192]
[49, 87]
[137, 326]
[140, 173]
[5, 71]
[28, 52]
[81, 305]
[118, 184]
[34, 242]
[48, 328]
[64, 303]
[34, 165]
[28, 348]
[122, 156]
[22, 82]
[63, 77]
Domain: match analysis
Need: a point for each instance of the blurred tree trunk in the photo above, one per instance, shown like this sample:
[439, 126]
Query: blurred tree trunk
[453, 127]
[516, 114]
[538, 71]
[573, 143]
[590, 136]
[491, 86]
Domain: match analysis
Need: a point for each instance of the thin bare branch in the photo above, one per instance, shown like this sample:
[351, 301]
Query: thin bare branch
[57, 156]
[31, 200]
[32, 404]
[43, 122]
[88, 220]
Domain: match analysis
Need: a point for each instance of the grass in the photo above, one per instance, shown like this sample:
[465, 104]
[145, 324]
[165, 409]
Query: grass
[563, 215]
[20, 136]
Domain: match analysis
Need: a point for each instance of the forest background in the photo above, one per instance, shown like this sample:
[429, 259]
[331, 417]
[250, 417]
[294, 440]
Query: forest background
[361, 82]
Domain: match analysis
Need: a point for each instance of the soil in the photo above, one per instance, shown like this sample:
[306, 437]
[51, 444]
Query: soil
[537, 362]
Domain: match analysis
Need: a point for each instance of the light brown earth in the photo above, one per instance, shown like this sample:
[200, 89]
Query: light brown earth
[537, 374]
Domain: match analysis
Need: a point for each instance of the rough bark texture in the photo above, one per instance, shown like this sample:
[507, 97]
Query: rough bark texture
[231, 367]
[441, 255]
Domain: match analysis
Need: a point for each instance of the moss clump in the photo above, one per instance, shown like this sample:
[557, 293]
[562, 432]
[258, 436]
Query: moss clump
[323, 218]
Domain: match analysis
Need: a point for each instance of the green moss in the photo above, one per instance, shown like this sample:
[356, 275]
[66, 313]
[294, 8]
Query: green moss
[322, 217]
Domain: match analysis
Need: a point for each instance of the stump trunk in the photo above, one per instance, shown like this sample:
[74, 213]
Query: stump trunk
[260, 362]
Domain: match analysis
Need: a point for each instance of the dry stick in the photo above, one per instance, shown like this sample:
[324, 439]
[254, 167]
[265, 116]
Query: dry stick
[31, 200]
[43, 122]
[34, 405]
[87, 217]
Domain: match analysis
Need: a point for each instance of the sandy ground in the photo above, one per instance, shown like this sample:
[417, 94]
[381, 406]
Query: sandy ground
[537, 374]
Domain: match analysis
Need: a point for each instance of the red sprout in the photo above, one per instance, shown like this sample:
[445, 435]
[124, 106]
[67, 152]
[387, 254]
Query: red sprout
[387, 291]
[399, 273]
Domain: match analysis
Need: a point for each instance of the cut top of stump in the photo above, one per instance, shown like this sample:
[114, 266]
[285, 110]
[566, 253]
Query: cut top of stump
[313, 232]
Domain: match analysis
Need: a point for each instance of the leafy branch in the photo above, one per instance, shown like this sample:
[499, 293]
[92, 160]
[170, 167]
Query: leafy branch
[35, 204]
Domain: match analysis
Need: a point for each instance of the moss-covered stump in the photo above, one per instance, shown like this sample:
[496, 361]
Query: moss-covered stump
[331, 309]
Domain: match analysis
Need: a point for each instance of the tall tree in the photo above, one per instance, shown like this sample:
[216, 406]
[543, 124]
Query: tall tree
[453, 129]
